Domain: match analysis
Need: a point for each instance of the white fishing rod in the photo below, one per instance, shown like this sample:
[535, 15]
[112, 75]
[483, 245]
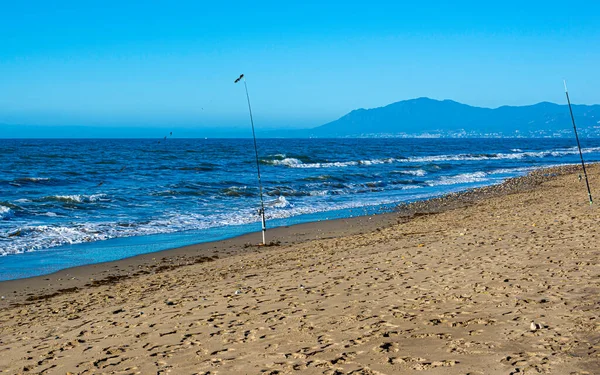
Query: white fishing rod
[262, 204]
[578, 145]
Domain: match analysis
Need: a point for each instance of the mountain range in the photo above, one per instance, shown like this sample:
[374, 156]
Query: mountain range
[420, 117]
[447, 118]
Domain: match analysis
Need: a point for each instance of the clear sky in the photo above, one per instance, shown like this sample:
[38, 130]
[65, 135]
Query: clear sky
[172, 63]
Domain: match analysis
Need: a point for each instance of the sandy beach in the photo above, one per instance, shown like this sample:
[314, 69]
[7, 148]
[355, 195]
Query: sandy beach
[498, 280]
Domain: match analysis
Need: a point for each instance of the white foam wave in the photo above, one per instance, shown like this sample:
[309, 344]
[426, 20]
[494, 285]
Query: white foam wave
[288, 162]
[33, 238]
[296, 163]
[349, 188]
[378, 161]
[76, 198]
[280, 202]
[417, 173]
[520, 170]
[463, 178]
[5, 212]
[517, 154]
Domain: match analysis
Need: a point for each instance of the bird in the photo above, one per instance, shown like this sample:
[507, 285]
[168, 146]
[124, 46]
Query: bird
[239, 78]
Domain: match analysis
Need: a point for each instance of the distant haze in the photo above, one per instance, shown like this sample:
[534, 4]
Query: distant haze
[421, 117]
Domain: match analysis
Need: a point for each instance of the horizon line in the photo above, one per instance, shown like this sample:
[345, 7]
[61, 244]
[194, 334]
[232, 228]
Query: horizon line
[189, 127]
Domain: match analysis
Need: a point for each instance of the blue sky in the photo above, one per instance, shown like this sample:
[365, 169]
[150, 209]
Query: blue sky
[172, 64]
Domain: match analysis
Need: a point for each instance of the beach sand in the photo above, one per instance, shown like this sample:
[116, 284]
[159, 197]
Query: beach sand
[449, 286]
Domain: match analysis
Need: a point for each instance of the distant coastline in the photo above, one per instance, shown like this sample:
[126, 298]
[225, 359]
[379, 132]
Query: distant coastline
[414, 118]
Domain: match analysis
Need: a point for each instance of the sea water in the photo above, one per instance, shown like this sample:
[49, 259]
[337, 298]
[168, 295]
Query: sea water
[72, 202]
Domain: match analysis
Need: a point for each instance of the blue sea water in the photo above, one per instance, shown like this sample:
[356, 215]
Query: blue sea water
[71, 202]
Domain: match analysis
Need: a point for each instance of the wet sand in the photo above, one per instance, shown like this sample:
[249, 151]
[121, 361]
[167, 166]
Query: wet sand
[448, 286]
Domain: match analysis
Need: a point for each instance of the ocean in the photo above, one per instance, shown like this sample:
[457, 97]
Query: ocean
[72, 202]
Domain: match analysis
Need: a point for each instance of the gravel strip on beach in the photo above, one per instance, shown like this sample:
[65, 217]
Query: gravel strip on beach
[468, 197]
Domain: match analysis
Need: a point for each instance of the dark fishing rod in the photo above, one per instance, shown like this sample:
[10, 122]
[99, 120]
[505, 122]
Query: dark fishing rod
[578, 145]
[262, 204]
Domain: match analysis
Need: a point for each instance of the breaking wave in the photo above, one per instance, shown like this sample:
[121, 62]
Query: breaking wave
[76, 198]
[217, 186]
[34, 238]
[463, 178]
[5, 212]
[417, 172]
[516, 155]
[297, 163]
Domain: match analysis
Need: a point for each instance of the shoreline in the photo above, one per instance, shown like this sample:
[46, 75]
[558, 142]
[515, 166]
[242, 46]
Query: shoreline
[69, 280]
[492, 281]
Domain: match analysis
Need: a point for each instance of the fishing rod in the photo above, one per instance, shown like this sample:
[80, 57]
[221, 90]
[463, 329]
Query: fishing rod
[578, 145]
[262, 204]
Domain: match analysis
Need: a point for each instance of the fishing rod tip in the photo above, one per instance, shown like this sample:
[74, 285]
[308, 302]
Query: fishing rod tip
[565, 83]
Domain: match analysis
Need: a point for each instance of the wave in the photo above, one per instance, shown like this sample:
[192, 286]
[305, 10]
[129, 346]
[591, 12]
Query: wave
[479, 176]
[280, 202]
[516, 155]
[352, 180]
[417, 172]
[75, 198]
[463, 178]
[288, 162]
[5, 212]
[297, 163]
[378, 161]
[519, 170]
[35, 238]
[32, 238]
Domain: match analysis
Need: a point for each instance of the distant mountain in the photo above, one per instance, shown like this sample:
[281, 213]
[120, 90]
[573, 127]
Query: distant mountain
[447, 118]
